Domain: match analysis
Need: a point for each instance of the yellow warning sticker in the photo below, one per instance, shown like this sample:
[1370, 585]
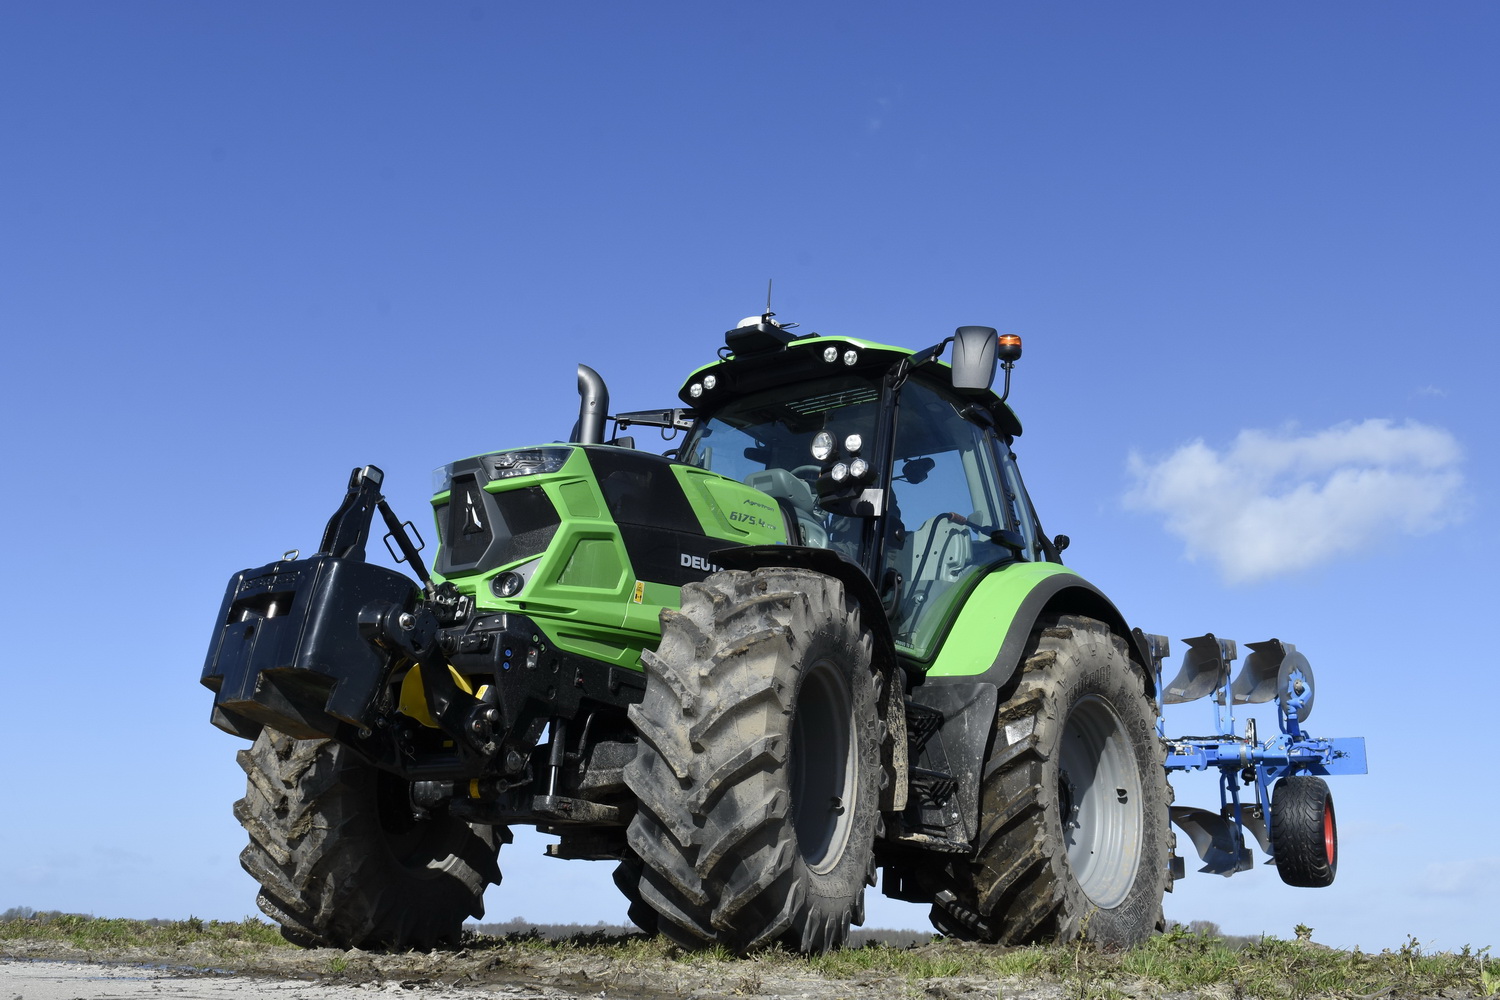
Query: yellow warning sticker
[640, 591]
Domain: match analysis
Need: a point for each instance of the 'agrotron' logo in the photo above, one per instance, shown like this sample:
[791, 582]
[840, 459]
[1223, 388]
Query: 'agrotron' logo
[699, 563]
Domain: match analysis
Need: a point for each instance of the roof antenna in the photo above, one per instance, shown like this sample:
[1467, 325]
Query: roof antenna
[768, 313]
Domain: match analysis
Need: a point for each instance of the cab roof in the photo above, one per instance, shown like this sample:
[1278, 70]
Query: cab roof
[816, 356]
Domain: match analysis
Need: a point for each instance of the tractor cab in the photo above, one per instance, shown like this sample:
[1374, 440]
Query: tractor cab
[899, 463]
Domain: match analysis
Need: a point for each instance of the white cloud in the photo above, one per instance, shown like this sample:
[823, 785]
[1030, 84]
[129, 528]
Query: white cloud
[1275, 503]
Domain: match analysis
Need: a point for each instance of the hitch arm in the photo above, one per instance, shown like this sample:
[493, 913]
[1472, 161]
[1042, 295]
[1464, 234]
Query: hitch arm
[349, 527]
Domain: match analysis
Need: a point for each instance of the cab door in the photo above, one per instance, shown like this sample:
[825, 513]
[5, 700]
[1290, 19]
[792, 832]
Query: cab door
[949, 497]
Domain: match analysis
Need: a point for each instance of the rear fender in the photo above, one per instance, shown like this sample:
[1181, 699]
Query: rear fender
[1022, 594]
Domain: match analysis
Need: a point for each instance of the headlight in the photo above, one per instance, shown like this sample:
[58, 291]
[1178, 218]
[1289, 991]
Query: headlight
[507, 584]
[858, 468]
[526, 462]
[839, 472]
[822, 446]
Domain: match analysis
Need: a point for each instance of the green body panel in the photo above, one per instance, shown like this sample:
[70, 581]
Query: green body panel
[987, 612]
[730, 510]
[581, 592]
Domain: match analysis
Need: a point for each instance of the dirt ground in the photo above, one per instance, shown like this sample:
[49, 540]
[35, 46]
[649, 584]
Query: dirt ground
[53, 971]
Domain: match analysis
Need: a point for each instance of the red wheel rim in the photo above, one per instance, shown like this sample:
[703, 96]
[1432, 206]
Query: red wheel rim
[1330, 833]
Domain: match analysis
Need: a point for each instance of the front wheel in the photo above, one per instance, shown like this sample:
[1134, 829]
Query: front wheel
[342, 860]
[758, 774]
[1073, 838]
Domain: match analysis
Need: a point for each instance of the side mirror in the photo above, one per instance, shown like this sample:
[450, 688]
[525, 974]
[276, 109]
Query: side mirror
[974, 353]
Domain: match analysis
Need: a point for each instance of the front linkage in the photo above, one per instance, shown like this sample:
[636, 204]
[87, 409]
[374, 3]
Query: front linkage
[332, 646]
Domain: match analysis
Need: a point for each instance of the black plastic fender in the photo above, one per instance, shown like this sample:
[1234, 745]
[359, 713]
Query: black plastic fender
[825, 561]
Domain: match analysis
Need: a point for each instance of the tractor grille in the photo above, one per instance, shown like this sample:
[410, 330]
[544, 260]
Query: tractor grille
[482, 530]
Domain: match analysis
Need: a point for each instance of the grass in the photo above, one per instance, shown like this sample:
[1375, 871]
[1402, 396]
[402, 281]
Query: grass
[1192, 962]
[1179, 961]
[99, 933]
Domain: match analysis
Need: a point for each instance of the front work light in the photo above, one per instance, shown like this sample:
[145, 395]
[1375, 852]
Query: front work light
[507, 584]
[822, 446]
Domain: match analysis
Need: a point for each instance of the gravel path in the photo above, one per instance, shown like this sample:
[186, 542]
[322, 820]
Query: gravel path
[24, 978]
[33, 980]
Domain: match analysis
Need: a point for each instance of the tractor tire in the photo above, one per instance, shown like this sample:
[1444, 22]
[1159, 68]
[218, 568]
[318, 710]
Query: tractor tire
[340, 859]
[1304, 833]
[758, 773]
[1073, 839]
[628, 881]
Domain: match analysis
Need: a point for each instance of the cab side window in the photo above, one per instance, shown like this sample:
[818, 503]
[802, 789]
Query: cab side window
[948, 498]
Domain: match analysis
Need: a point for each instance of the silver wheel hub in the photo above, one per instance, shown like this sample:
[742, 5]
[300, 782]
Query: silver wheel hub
[1100, 802]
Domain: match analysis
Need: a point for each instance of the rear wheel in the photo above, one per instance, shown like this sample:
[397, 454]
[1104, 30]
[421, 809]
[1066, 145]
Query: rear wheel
[342, 861]
[758, 772]
[1304, 833]
[1073, 837]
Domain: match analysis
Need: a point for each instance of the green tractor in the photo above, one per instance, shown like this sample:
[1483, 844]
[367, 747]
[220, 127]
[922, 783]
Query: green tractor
[823, 636]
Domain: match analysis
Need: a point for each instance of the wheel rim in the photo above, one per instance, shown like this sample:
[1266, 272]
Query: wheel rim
[823, 766]
[1330, 833]
[1099, 801]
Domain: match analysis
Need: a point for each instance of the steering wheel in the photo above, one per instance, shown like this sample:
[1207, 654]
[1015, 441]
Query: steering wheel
[808, 473]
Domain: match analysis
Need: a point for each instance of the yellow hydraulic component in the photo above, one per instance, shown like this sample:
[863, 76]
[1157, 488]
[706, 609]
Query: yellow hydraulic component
[413, 700]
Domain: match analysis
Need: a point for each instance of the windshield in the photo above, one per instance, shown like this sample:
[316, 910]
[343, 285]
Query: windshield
[765, 440]
[774, 429]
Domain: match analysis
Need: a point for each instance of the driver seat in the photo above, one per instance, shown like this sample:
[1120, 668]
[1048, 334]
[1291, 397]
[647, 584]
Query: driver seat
[794, 493]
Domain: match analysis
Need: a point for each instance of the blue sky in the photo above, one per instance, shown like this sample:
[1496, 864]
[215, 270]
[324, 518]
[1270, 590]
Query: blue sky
[1252, 250]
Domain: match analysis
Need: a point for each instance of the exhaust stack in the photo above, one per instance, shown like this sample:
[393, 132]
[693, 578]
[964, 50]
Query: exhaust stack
[593, 407]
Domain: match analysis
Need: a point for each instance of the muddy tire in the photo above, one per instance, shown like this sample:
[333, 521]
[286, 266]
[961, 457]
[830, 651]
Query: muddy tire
[1073, 838]
[628, 881]
[340, 859]
[758, 774]
[1304, 833]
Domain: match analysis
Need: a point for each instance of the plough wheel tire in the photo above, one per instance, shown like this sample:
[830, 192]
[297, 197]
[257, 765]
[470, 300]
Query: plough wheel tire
[1304, 833]
[340, 859]
[1073, 838]
[758, 773]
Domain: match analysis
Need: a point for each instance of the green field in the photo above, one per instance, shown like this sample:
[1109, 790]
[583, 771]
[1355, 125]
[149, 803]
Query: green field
[1191, 962]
